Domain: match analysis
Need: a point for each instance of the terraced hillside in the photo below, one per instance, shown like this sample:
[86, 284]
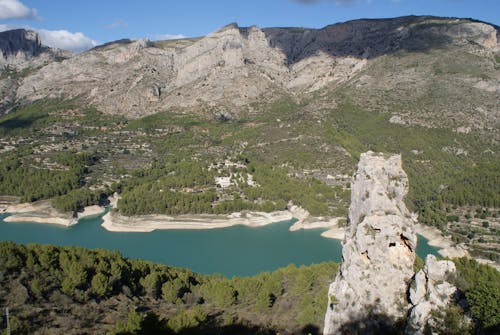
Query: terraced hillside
[279, 114]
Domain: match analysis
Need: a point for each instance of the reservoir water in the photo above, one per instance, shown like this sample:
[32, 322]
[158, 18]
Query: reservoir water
[234, 251]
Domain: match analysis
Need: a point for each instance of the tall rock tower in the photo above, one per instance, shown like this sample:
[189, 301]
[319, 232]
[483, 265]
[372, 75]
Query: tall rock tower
[369, 294]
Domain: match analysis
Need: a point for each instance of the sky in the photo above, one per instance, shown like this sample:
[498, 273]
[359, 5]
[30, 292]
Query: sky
[78, 25]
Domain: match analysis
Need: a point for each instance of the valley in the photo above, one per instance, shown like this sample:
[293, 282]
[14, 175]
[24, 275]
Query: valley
[243, 126]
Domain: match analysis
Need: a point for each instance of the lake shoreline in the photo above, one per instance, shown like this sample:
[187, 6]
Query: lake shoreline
[42, 212]
[446, 247]
[115, 222]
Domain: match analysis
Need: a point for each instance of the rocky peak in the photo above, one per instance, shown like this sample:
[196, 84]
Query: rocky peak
[20, 48]
[378, 251]
[19, 44]
[376, 289]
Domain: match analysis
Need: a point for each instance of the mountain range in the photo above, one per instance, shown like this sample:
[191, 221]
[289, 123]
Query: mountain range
[227, 71]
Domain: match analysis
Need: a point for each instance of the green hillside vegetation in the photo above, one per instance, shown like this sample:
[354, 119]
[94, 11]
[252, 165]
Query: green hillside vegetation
[161, 163]
[102, 292]
[471, 179]
[19, 177]
[468, 179]
[33, 118]
[188, 187]
[481, 286]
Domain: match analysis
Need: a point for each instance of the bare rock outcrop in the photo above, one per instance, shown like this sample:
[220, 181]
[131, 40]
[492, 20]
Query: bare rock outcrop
[235, 66]
[376, 290]
[20, 48]
[378, 251]
[21, 52]
[429, 291]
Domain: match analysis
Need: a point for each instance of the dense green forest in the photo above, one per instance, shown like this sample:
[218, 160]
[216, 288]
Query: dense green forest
[85, 286]
[102, 292]
[188, 187]
[19, 177]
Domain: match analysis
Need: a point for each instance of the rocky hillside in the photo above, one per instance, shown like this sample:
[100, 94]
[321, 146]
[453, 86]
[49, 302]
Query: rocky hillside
[227, 70]
[20, 48]
[22, 53]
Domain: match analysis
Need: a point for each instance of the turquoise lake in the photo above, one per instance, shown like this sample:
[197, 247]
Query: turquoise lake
[234, 251]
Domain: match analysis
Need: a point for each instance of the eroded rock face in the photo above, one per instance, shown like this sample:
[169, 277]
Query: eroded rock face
[233, 67]
[19, 45]
[378, 251]
[21, 52]
[21, 48]
[429, 291]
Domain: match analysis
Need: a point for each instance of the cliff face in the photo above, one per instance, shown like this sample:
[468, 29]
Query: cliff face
[378, 250]
[235, 66]
[370, 293]
[19, 45]
[228, 68]
[22, 48]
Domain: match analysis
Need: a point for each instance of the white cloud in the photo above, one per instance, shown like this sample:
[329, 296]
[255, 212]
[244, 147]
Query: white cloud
[14, 9]
[66, 40]
[161, 37]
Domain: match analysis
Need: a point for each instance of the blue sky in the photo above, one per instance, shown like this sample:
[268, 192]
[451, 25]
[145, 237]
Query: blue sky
[80, 24]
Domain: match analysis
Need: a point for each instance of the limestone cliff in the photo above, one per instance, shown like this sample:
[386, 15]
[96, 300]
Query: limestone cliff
[21, 51]
[376, 277]
[235, 66]
[378, 251]
[21, 48]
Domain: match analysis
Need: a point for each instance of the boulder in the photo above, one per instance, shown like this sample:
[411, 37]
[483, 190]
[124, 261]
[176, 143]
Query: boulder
[434, 292]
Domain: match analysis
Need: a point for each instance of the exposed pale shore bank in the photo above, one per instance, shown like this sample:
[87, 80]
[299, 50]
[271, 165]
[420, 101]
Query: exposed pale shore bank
[436, 239]
[306, 221]
[114, 221]
[334, 232]
[43, 212]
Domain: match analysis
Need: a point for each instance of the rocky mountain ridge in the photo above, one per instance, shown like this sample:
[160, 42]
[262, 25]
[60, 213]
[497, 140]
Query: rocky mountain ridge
[22, 53]
[233, 67]
[21, 48]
